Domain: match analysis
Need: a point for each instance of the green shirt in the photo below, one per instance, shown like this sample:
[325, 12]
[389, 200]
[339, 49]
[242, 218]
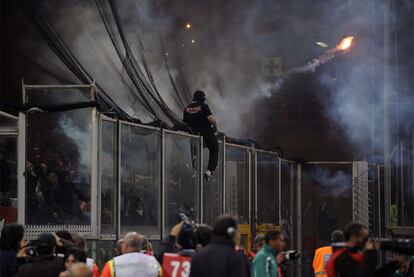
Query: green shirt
[264, 265]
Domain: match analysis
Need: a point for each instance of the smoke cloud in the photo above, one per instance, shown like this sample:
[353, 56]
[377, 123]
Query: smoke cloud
[335, 184]
[225, 60]
[73, 126]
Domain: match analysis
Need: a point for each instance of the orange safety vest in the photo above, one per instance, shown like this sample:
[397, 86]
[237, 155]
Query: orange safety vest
[322, 256]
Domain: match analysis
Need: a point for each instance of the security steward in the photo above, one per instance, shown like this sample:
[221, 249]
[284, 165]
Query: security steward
[132, 262]
[323, 254]
[201, 121]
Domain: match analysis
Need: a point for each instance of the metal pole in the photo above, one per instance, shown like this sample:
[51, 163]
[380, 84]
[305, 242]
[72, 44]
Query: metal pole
[99, 189]
[299, 215]
[379, 199]
[280, 191]
[162, 182]
[200, 171]
[119, 186]
[94, 172]
[401, 205]
[387, 92]
[254, 198]
[248, 187]
[21, 166]
[24, 99]
[224, 174]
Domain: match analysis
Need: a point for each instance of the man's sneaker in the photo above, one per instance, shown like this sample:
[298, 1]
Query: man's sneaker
[207, 175]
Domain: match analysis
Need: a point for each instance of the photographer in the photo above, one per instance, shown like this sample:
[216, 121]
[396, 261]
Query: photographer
[182, 236]
[178, 261]
[405, 266]
[168, 245]
[73, 255]
[401, 266]
[66, 242]
[180, 246]
[359, 256]
[270, 257]
[44, 262]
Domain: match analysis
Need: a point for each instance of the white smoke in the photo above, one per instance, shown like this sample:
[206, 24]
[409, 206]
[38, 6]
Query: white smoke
[335, 184]
[82, 139]
[267, 89]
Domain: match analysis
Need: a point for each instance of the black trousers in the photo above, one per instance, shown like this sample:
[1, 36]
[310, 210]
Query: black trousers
[211, 143]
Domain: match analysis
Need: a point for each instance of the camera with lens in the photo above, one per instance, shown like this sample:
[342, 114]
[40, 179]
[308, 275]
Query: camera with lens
[397, 245]
[31, 248]
[292, 255]
[401, 246]
[187, 216]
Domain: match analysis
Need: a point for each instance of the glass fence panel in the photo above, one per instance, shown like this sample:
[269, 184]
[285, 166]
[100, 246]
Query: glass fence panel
[408, 188]
[181, 177]
[402, 184]
[267, 188]
[288, 182]
[212, 190]
[156, 246]
[109, 179]
[101, 251]
[326, 205]
[58, 167]
[382, 207]
[140, 180]
[237, 188]
[8, 178]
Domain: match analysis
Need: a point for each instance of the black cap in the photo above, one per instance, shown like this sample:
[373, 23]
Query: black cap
[45, 243]
[199, 96]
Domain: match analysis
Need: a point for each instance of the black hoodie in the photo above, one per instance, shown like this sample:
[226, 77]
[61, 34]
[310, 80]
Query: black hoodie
[219, 259]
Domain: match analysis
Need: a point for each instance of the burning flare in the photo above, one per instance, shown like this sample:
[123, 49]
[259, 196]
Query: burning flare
[342, 48]
[345, 43]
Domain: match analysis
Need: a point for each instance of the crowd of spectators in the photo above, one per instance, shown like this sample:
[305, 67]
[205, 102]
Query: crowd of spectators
[191, 250]
[56, 193]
